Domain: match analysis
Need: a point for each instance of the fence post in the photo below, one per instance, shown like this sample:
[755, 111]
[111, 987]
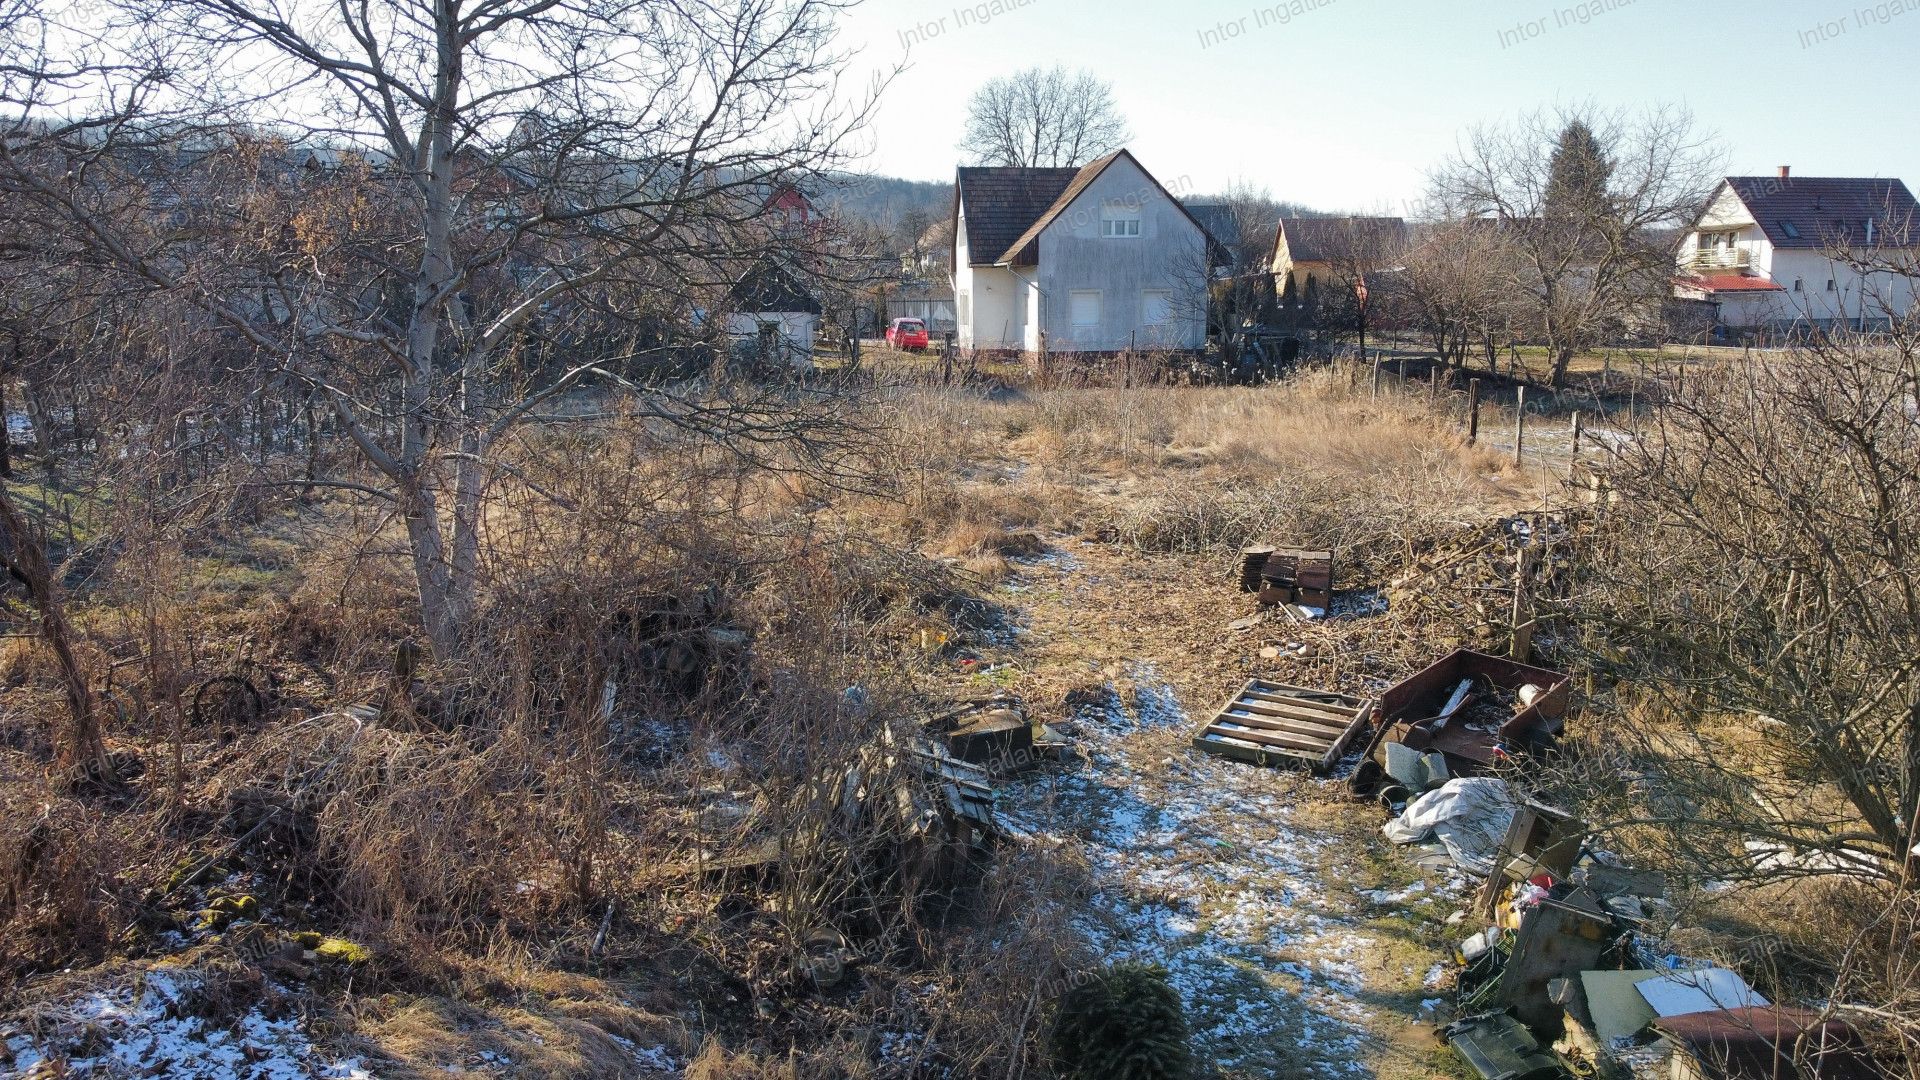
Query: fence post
[1473, 411]
[1576, 434]
[1376, 373]
[1519, 423]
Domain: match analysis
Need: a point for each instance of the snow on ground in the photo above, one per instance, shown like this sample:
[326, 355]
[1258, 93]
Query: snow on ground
[151, 1030]
[1199, 872]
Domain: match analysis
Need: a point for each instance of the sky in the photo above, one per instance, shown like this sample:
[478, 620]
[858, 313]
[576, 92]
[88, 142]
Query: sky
[1346, 104]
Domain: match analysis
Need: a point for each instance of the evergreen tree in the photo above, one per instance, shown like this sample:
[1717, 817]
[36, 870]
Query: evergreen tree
[1124, 1024]
[1579, 173]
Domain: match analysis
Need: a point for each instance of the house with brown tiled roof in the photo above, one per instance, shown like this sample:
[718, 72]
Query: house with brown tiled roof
[1311, 254]
[1096, 259]
[1775, 252]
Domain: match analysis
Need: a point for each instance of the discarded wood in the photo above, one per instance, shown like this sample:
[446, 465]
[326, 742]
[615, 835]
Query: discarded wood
[1458, 699]
[1268, 723]
[1473, 411]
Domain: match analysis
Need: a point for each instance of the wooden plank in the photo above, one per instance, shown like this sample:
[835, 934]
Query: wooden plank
[1313, 731]
[1266, 738]
[1250, 753]
[1270, 708]
[1305, 693]
[1328, 707]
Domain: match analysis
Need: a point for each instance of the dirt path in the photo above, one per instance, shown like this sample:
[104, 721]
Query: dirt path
[1301, 942]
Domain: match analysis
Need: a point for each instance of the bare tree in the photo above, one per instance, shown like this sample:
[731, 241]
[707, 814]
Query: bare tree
[1042, 118]
[1581, 197]
[489, 173]
[1761, 569]
[1454, 289]
[1231, 290]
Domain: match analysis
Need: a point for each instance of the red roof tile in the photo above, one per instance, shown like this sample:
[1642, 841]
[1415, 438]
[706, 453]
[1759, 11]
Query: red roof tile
[1730, 283]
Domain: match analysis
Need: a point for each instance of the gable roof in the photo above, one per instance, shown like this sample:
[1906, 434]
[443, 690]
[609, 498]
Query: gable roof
[1007, 195]
[1330, 238]
[1815, 211]
[1000, 202]
[768, 286]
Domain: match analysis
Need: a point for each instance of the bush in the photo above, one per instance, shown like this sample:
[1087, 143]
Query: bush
[1124, 1024]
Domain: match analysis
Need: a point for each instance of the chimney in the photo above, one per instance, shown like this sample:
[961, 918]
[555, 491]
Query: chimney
[1785, 171]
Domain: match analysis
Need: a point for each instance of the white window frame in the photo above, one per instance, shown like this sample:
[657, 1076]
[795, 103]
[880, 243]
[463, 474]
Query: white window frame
[1147, 298]
[1115, 228]
[1076, 298]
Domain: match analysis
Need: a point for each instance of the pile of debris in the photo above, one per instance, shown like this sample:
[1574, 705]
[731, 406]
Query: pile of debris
[1469, 580]
[1563, 977]
[1293, 578]
[1465, 714]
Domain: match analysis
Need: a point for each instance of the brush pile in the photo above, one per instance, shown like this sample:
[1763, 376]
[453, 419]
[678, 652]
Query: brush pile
[1464, 583]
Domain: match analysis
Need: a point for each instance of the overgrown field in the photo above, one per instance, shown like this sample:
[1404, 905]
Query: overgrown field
[659, 821]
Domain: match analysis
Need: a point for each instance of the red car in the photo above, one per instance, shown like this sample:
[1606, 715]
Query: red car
[907, 334]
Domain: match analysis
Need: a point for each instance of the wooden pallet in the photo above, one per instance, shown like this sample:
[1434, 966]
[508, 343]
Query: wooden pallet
[1270, 723]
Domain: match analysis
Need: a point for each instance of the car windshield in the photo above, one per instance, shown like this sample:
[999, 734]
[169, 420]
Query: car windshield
[911, 327]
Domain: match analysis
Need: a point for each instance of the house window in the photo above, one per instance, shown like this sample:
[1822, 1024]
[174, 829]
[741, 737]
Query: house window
[1799, 285]
[963, 307]
[1792, 231]
[1156, 307]
[1120, 226]
[1831, 287]
[1086, 308]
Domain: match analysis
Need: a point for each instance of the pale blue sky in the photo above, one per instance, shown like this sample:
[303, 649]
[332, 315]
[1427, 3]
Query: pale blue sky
[1344, 104]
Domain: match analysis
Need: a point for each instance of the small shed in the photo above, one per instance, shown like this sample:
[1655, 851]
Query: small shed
[773, 316]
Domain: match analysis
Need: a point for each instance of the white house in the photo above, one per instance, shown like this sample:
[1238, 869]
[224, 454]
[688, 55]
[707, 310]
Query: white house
[1095, 259]
[1763, 253]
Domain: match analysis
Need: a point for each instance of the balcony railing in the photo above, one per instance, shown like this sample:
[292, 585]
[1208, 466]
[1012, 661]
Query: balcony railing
[1722, 258]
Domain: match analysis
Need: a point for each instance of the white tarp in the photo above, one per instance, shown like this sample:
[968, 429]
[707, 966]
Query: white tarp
[1469, 816]
[1701, 990]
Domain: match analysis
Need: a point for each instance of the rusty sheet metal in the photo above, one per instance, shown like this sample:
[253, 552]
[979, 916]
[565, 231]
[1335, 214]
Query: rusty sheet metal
[1409, 710]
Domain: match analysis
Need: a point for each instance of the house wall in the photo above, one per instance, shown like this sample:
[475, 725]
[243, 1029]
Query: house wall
[1851, 295]
[1169, 255]
[798, 330]
[991, 297]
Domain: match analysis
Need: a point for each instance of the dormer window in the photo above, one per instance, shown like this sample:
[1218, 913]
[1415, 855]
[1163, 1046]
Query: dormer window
[1793, 233]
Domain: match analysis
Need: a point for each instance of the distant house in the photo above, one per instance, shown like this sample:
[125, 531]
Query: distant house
[1312, 254]
[773, 315]
[1095, 259]
[1762, 254]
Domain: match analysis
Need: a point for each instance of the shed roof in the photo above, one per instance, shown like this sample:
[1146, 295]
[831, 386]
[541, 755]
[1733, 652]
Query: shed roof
[769, 286]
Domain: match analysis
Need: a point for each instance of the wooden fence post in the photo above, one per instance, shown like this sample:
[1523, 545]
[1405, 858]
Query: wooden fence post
[1576, 434]
[1473, 411]
[1519, 424]
[1376, 374]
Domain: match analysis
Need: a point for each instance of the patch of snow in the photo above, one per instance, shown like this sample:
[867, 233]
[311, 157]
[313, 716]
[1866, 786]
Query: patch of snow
[1200, 868]
[151, 1030]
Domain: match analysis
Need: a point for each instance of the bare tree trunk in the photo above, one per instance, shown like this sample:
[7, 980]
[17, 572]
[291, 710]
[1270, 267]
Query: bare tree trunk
[81, 745]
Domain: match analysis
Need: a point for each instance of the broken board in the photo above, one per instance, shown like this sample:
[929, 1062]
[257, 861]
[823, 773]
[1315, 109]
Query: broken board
[1270, 723]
